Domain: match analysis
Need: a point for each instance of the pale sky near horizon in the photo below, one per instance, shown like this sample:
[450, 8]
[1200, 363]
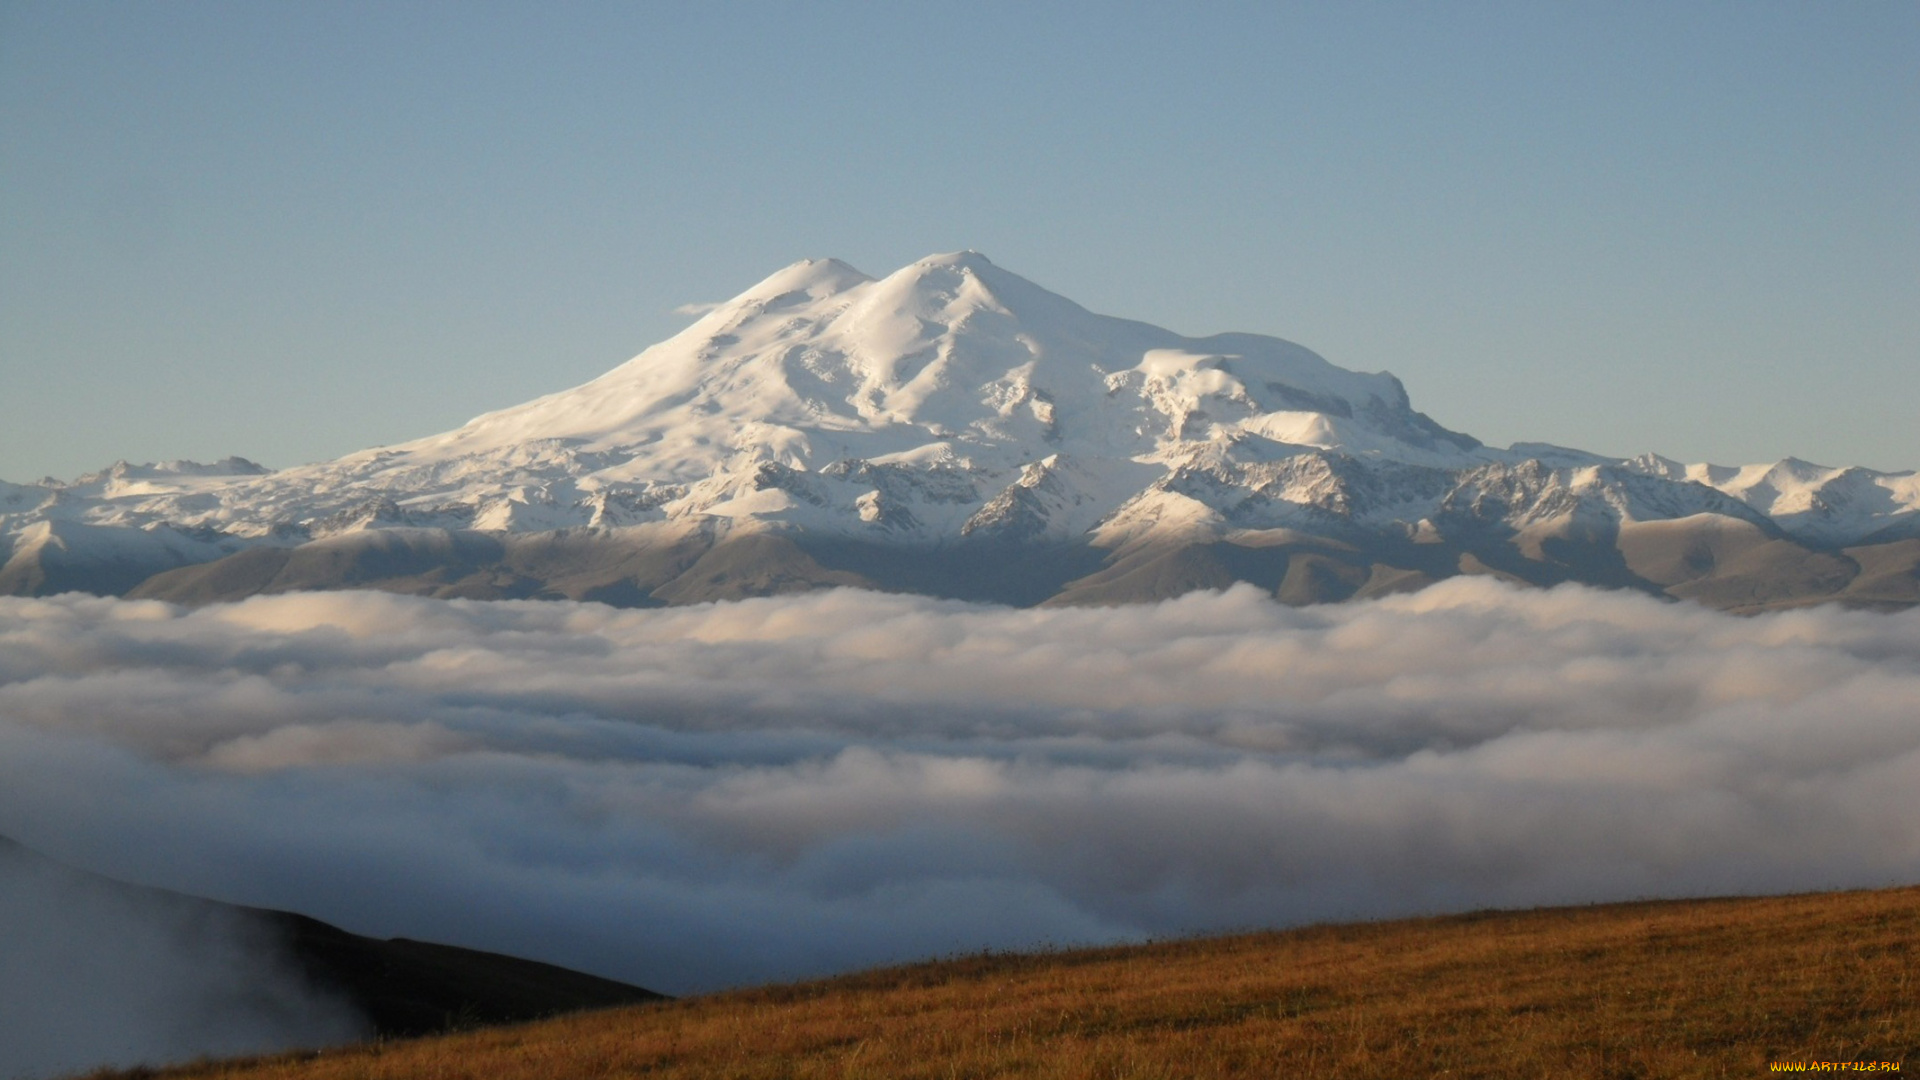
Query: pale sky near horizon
[292, 231]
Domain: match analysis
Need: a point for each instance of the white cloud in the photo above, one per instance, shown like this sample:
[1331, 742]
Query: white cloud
[694, 797]
[697, 309]
[341, 742]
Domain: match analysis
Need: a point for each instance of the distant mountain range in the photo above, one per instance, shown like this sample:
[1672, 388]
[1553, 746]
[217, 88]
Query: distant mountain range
[955, 429]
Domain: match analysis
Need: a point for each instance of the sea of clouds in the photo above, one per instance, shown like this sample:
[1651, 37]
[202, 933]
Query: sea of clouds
[697, 797]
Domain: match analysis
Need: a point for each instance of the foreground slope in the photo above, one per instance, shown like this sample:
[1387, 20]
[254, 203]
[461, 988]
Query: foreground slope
[1706, 988]
[955, 429]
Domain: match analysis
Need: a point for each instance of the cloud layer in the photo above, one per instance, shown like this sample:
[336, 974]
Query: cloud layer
[695, 797]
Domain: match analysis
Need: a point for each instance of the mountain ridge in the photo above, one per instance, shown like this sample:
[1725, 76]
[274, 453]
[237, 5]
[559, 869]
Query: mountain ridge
[946, 407]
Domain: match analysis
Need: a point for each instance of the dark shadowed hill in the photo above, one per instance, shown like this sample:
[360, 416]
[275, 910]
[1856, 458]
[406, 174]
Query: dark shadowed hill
[406, 987]
[263, 966]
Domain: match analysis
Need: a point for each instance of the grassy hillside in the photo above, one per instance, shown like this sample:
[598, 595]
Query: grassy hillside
[1667, 989]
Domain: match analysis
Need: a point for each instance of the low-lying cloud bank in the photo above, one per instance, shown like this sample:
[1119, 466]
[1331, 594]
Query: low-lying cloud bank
[695, 797]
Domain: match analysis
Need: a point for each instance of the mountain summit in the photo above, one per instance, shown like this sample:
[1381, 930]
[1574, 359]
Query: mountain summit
[954, 428]
[949, 359]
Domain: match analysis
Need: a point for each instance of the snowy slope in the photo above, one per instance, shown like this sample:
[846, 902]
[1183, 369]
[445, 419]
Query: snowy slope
[947, 403]
[1814, 502]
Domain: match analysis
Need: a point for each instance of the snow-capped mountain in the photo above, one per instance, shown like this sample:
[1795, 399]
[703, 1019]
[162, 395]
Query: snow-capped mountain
[910, 432]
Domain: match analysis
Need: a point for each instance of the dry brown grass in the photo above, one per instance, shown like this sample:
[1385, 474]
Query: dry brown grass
[1670, 989]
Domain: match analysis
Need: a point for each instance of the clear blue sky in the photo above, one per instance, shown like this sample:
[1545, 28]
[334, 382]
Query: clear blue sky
[291, 231]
